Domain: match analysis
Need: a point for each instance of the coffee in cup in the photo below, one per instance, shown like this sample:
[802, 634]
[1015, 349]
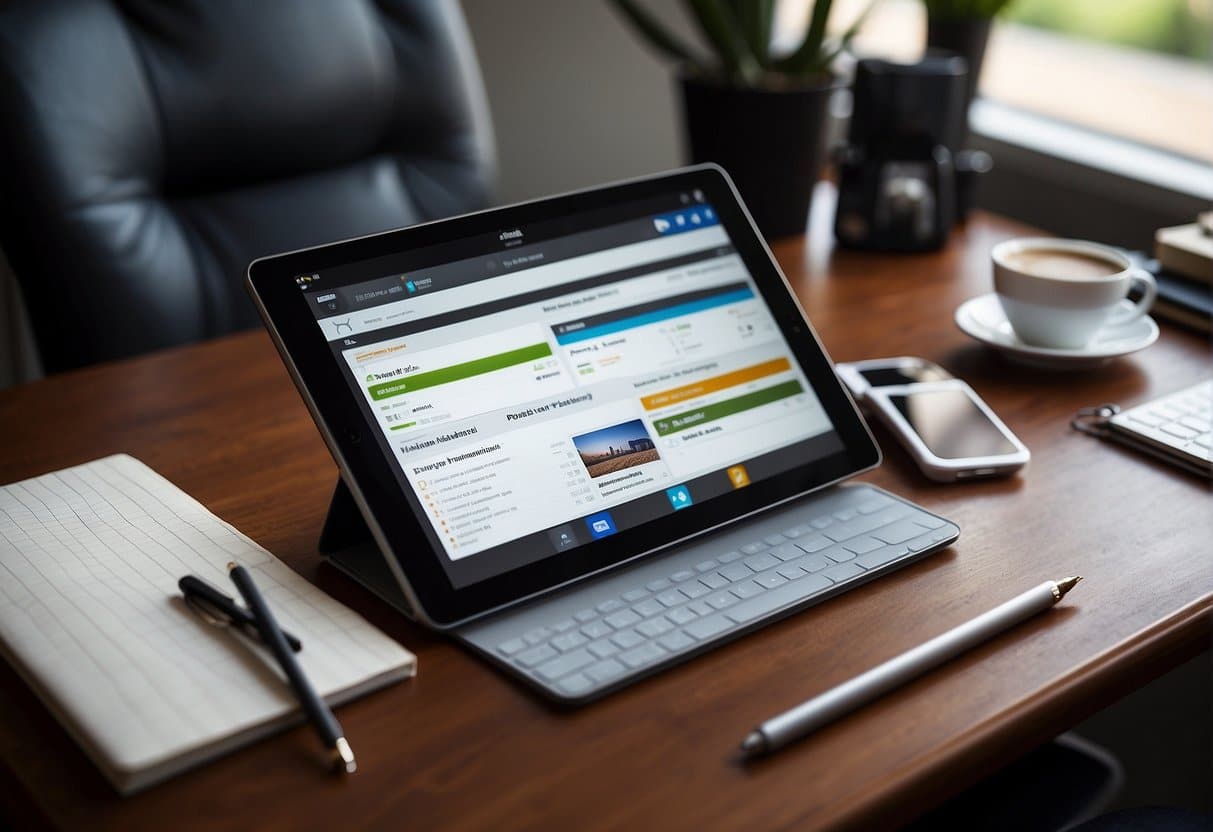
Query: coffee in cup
[1060, 293]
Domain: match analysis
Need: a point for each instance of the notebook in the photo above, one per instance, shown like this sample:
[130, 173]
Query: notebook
[91, 617]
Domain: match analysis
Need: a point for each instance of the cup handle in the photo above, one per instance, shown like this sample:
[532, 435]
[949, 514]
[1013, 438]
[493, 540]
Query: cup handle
[1149, 291]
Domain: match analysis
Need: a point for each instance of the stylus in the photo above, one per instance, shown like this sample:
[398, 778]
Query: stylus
[317, 712]
[808, 716]
[220, 610]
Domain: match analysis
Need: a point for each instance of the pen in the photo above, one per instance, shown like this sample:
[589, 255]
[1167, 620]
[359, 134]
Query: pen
[321, 717]
[222, 611]
[808, 716]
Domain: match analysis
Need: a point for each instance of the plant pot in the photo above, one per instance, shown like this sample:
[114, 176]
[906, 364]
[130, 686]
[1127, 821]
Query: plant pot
[966, 37]
[771, 142]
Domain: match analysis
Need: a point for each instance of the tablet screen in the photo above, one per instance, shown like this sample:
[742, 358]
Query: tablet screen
[544, 387]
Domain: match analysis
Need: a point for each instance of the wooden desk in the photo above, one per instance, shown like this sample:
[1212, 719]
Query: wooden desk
[462, 747]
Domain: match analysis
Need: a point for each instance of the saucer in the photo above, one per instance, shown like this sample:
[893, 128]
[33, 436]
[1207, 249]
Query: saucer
[982, 319]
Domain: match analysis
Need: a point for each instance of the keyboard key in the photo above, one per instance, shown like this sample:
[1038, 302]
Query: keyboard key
[801, 530]
[602, 671]
[602, 649]
[845, 514]
[736, 571]
[576, 684]
[865, 523]
[770, 581]
[770, 601]
[836, 553]
[721, 600]
[873, 503]
[814, 544]
[774, 539]
[682, 575]
[596, 629]
[786, 552]
[649, 608]
[760, 562]
[929, 520]
[752, 548]
[565, 665]
[568, 641]
[842, 572]
[811, 563]
[793, 533]
[624, 618]
[881, 556]
[532, 657]
[564, 626]
[585, 615]
[634, 595]
[672, 598]
[822, 522]
[645, 654]
[654, 627]
[694, 590]
[1147, 418]
[921, 542]
[675, 641]
[747, 590]
[705, 565]
[790, 572]
[708, 627]
[729, 557]
[699, 607]
[714, 580]
[681, 615]
[899, 532]
[610, 606]
[509, 648]
[1182, 431]
[862, 545]
[1196, 423]
[628, 638]
[536, 635]
[658, 585]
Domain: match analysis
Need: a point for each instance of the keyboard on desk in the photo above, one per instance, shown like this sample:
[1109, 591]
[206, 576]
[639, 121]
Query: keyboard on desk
[1179, 424]
[599, 636]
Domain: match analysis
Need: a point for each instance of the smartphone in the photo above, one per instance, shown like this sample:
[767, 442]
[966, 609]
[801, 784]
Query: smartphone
[949, 431]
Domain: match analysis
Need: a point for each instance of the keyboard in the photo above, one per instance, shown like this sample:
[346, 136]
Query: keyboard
[1179, 425]
[585, 642]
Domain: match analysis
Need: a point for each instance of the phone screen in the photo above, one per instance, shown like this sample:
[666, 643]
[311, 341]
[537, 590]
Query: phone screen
[951, 425]
[905, 374]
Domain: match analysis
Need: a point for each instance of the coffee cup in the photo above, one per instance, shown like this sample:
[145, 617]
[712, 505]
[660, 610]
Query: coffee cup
[1060, 293]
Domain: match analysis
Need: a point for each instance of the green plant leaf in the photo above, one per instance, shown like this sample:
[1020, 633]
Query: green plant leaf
[808, 57]
[655, 33]
[722, 30]
[756, 18]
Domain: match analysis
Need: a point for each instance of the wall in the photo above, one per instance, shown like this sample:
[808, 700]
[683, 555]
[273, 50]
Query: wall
[576, 99]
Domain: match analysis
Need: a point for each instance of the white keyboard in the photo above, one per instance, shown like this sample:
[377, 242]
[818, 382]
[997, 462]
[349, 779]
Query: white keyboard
[1180, 425]
[597, 638]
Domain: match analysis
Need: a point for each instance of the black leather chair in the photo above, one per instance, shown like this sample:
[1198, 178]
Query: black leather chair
[151, 148]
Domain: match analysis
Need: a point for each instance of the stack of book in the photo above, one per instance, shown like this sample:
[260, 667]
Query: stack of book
[1184, 272]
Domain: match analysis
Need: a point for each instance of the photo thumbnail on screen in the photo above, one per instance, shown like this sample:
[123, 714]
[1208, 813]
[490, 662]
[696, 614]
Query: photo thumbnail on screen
[613, 449]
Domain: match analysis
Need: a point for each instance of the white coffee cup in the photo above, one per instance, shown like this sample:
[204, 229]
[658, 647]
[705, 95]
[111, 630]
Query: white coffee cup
[1060, 293]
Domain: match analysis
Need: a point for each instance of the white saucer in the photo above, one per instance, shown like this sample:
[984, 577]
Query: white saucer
[982, 319]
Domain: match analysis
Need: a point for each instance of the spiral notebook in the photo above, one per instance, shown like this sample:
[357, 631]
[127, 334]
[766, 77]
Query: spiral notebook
[91, 618]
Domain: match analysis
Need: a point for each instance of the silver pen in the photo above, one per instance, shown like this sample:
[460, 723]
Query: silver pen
[808, 716]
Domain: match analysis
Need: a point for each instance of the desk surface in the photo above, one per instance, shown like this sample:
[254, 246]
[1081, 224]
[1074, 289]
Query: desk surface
[463, 747]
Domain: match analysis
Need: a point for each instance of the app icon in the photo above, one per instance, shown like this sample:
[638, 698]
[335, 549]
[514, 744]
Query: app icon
[600, 524]
[661, 225]
[411, 286]
[563, 537]
[679, 219]
[696, 219]
[680, 496]
[738, 476]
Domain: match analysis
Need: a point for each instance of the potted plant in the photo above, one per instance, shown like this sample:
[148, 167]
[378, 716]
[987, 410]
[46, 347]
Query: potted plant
[758, 114]
[963, 27]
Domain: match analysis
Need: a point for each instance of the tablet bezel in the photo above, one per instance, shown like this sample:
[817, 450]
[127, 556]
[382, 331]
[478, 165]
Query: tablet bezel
[369, 473]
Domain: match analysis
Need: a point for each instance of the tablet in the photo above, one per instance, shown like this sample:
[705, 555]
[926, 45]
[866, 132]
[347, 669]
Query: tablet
[526, 396]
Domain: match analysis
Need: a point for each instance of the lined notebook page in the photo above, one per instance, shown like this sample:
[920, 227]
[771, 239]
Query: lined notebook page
[91, 616]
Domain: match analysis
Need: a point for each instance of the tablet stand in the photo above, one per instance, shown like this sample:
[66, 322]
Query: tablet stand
[346, 542]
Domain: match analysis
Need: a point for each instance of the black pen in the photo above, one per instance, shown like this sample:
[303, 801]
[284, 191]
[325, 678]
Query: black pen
[321, 717]
[221, 610]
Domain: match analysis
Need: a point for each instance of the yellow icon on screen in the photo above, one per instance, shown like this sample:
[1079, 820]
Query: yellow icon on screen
[739, 476]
